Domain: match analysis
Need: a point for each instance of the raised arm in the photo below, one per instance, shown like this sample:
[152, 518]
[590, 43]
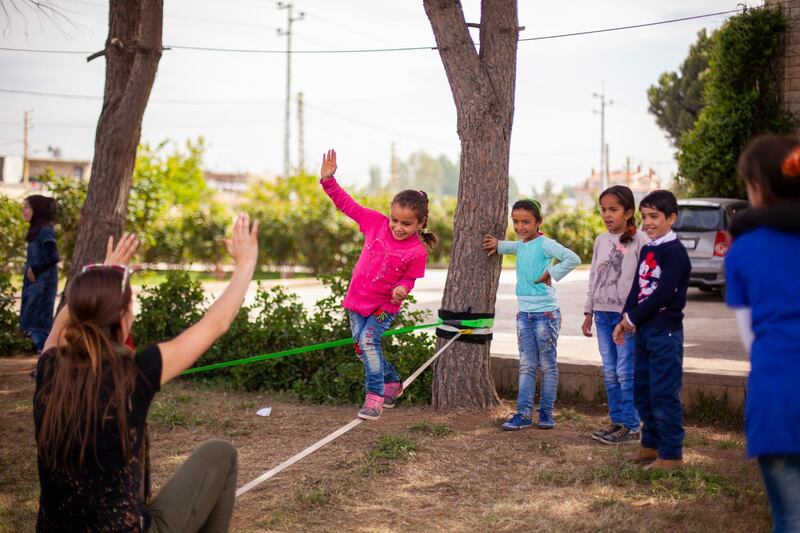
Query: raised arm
[181, 352]
[343, 201]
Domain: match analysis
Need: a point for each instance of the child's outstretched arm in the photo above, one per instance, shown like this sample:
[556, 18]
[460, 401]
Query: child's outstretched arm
[181, 352]
[494, 246]
[343, 201]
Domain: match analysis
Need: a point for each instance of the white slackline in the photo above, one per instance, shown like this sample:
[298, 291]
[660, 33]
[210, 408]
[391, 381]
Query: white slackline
[336, 434]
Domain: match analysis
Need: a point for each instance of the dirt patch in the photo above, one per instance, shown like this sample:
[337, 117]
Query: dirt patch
[413, 470]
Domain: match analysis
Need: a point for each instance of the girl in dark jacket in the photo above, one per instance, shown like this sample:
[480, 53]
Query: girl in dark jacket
[40, 280]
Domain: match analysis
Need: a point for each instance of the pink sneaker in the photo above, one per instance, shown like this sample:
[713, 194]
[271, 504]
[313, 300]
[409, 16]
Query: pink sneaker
[372, 408]
[391, 392]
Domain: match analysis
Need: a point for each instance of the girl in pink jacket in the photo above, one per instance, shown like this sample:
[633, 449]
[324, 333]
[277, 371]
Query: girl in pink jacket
[393, 257]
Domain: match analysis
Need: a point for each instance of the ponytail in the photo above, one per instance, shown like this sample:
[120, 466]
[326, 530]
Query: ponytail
[630, 231]
[91, 377]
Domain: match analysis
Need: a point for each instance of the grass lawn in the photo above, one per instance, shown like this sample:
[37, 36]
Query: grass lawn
[414, 469]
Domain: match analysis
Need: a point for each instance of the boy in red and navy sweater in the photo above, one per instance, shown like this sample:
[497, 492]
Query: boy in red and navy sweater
[654, 310]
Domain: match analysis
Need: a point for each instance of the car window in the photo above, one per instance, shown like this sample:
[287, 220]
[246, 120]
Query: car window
[696, 218]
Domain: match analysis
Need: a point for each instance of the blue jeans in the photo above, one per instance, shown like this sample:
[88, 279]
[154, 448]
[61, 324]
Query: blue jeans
[657, 379]
[617, 370]
[38, 336]
[367, 333]
[782, 479]
[537, 335]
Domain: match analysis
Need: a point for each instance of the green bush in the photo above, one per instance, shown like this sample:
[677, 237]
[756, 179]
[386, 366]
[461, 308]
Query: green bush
[167, 309]
[576, 230]
[742, 100]
[11, 340]
[277, 321]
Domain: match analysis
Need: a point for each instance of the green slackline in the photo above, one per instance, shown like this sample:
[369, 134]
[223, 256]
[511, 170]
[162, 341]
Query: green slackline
[303, 349]
[475, 323]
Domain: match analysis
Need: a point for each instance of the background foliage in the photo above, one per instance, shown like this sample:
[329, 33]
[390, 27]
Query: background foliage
[741, 100]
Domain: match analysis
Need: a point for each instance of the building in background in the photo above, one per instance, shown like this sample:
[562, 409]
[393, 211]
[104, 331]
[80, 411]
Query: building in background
[640, 182]
[229, 188]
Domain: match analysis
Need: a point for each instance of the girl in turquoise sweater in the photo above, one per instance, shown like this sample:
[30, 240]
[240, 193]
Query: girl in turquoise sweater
[539, 319]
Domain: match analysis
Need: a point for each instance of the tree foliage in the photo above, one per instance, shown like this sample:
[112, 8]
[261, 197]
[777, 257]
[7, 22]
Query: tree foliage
[742, 100]
[677, 99]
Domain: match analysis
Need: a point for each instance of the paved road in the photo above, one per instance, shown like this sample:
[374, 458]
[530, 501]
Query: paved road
[711, 339]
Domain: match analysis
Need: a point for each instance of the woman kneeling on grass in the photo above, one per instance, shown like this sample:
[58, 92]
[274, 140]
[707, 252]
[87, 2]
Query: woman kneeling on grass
[91, 402]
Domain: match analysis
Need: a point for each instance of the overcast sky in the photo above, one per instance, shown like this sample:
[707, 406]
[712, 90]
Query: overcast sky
[357, 103]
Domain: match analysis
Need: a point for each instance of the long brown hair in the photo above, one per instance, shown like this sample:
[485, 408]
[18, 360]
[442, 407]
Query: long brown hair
[92, 376]
[417, 201]
[626, 200]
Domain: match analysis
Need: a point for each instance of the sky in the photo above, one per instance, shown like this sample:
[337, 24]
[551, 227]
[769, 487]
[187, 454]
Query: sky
[357, 103]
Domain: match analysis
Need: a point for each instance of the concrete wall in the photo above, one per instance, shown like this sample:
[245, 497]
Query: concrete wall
[586, 382]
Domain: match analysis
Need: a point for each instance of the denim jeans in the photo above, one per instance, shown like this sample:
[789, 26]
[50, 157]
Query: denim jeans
[657, 379]
[537, 335]
[782, 479]
[367, 333]
[38, 336]
[617, 370]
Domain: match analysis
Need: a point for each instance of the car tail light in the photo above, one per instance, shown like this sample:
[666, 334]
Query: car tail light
[721, 244]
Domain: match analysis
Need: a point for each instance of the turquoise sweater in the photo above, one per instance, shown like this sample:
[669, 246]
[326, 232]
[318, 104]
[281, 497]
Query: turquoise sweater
[533, 258]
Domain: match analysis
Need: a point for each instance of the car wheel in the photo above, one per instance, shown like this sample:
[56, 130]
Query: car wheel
[723, 291]
[705, 289]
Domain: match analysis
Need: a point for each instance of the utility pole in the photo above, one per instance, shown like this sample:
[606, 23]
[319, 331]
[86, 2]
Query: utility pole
[301, 141]
[603, 149]
[288, 33]
[393, 168]
[25, 167]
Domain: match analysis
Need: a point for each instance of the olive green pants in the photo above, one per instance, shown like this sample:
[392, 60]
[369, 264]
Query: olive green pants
[199, 496]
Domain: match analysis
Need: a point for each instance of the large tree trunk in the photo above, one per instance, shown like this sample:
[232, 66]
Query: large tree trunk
[482, 83]
[132, 52]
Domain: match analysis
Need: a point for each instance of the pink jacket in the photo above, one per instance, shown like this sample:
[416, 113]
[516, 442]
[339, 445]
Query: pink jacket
[384, 262]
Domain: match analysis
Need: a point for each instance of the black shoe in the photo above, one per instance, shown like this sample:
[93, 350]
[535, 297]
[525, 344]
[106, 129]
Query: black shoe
[605, 430]
[621, 436]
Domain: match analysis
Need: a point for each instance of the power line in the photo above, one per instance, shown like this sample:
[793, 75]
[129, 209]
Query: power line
[154, 100]
[396, 49]
[629, 27]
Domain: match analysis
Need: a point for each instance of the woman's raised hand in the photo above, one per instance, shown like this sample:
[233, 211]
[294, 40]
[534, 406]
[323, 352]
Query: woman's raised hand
[328, 165]
[243, 244]
[122, 253]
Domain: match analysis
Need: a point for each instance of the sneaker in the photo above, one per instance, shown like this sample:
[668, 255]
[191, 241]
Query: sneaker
[516, 422]
[605, 430]
[391, 392]
[546, 421]
[621, 436]
[372, 408]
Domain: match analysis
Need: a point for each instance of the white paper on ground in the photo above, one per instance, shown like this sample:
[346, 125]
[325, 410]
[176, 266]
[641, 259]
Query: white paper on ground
[266, 411]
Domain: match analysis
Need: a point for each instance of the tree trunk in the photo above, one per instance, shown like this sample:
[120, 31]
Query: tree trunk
[482, 83]
[132, 52]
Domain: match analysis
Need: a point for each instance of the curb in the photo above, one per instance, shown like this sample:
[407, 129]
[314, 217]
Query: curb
[585, 382]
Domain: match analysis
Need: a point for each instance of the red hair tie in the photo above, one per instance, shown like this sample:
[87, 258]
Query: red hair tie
[791, 165]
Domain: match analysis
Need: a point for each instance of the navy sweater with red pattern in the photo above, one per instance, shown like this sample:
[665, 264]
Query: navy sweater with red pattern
[658, 293]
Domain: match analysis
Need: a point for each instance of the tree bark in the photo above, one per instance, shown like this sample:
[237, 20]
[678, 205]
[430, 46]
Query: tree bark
[482, 83]
[133, 50]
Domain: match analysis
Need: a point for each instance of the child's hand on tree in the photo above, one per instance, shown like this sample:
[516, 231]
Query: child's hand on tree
[490, 245]
[586, 327]
[328, 165]
[399, 294]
